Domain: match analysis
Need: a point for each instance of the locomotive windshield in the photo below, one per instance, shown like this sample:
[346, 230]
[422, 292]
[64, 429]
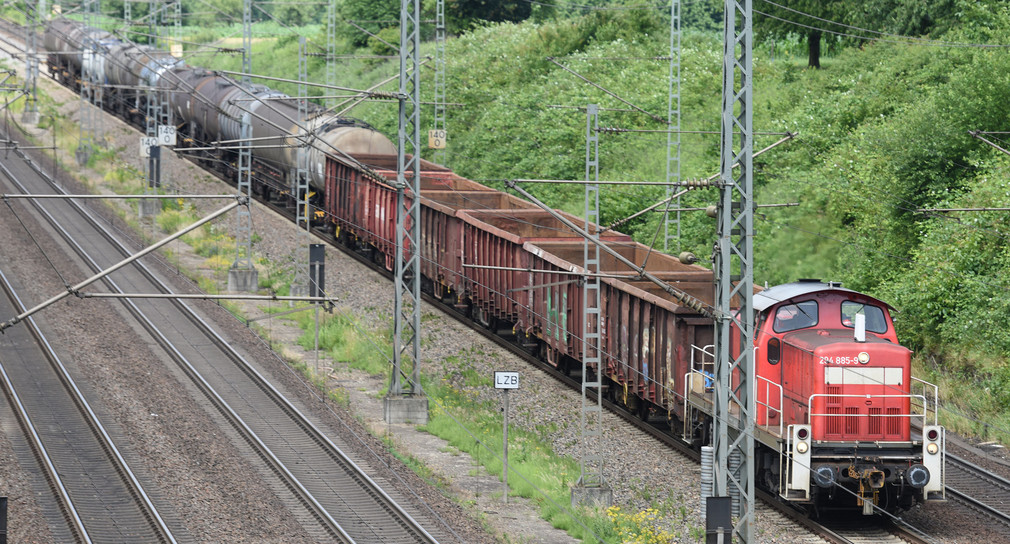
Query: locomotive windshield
[875, 321]
[795, 316]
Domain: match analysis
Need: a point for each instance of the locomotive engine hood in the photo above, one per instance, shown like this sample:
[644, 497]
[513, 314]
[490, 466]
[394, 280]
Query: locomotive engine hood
[859, 390]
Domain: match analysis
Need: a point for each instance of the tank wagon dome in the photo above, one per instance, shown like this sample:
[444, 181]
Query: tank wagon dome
[345, 135]
[357, 140]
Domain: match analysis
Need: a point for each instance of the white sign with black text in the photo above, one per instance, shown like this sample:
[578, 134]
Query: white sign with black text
[506, 380]
[146, 143]
[166, 135]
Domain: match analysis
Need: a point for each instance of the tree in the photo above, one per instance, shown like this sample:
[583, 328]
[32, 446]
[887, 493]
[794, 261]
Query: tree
[461, 14]
[906, 17]
[364, 13]
[804, 17]
[853, 20]
[294, 13]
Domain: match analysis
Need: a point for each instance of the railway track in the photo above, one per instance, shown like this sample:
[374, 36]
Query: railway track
[94, 489]
[338, 497]
[981, 490]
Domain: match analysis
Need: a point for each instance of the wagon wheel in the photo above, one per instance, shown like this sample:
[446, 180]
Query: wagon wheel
[612, 391]
[482, 317]
[643, 409]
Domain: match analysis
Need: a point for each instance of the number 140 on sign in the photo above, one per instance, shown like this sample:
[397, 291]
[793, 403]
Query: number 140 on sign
[436, 139]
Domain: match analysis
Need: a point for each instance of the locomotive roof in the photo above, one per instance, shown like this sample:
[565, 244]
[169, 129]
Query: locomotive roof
[811, 339]
[779, 293]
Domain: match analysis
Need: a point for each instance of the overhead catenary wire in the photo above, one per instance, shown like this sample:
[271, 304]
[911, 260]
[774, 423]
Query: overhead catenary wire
[646, 378]
[305, 134]
[556, 272]
[562, 507]
[391, 46]
[33, 239]
[924, 41]
[708, 180]
[661, 131]
[87, 295]
[76, 288]
[907, 41]
[607, 91]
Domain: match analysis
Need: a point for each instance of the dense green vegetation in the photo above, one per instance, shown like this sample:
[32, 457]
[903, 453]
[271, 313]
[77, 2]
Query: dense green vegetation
[882, 131]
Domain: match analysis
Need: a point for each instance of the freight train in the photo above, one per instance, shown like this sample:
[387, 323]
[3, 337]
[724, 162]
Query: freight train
[841, 421]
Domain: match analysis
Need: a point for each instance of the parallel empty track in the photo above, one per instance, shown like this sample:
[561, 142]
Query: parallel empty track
[93, 488]
[980, 489]
[337, 498]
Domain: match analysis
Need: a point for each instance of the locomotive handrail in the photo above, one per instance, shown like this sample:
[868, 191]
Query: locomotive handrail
[706, 380]
[936, 399]
[909, 415]
[687, 396]
[769, 408]
[704, 352]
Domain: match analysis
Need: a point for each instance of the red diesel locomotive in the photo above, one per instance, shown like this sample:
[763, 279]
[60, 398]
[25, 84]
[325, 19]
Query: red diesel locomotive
[843, 420]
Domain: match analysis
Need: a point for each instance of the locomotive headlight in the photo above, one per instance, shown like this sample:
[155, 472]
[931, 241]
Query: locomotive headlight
[932, 449]
[802, 447]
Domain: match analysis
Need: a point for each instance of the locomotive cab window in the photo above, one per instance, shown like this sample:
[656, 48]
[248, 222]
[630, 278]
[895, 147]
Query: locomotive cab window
[875, 321]
[795, 316]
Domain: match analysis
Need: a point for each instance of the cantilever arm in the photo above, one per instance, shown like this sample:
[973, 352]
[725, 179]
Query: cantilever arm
[76, 288]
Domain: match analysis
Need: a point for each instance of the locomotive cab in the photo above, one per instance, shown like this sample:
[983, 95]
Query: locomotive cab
[835, 387]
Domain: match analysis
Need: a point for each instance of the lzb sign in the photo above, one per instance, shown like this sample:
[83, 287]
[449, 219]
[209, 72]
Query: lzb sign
[506, 380]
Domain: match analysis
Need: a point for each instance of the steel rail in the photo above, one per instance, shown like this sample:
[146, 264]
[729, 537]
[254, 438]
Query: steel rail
[997, 507]
[161, 529]
[275, 463]
[314, 433]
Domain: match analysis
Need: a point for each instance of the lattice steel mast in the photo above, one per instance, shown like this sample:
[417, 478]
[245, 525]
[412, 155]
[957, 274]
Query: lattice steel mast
[300, 181]
[242, 276]
[407, 299]
[164, 110]
[33, 16]
[176, 47]
[151, 125]
[331, 45]
[735, 405]
[672, 237]
[91, 90]
[591, 485]
[243, 225]
[127, 19]
[439, 155]
[246, 40]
